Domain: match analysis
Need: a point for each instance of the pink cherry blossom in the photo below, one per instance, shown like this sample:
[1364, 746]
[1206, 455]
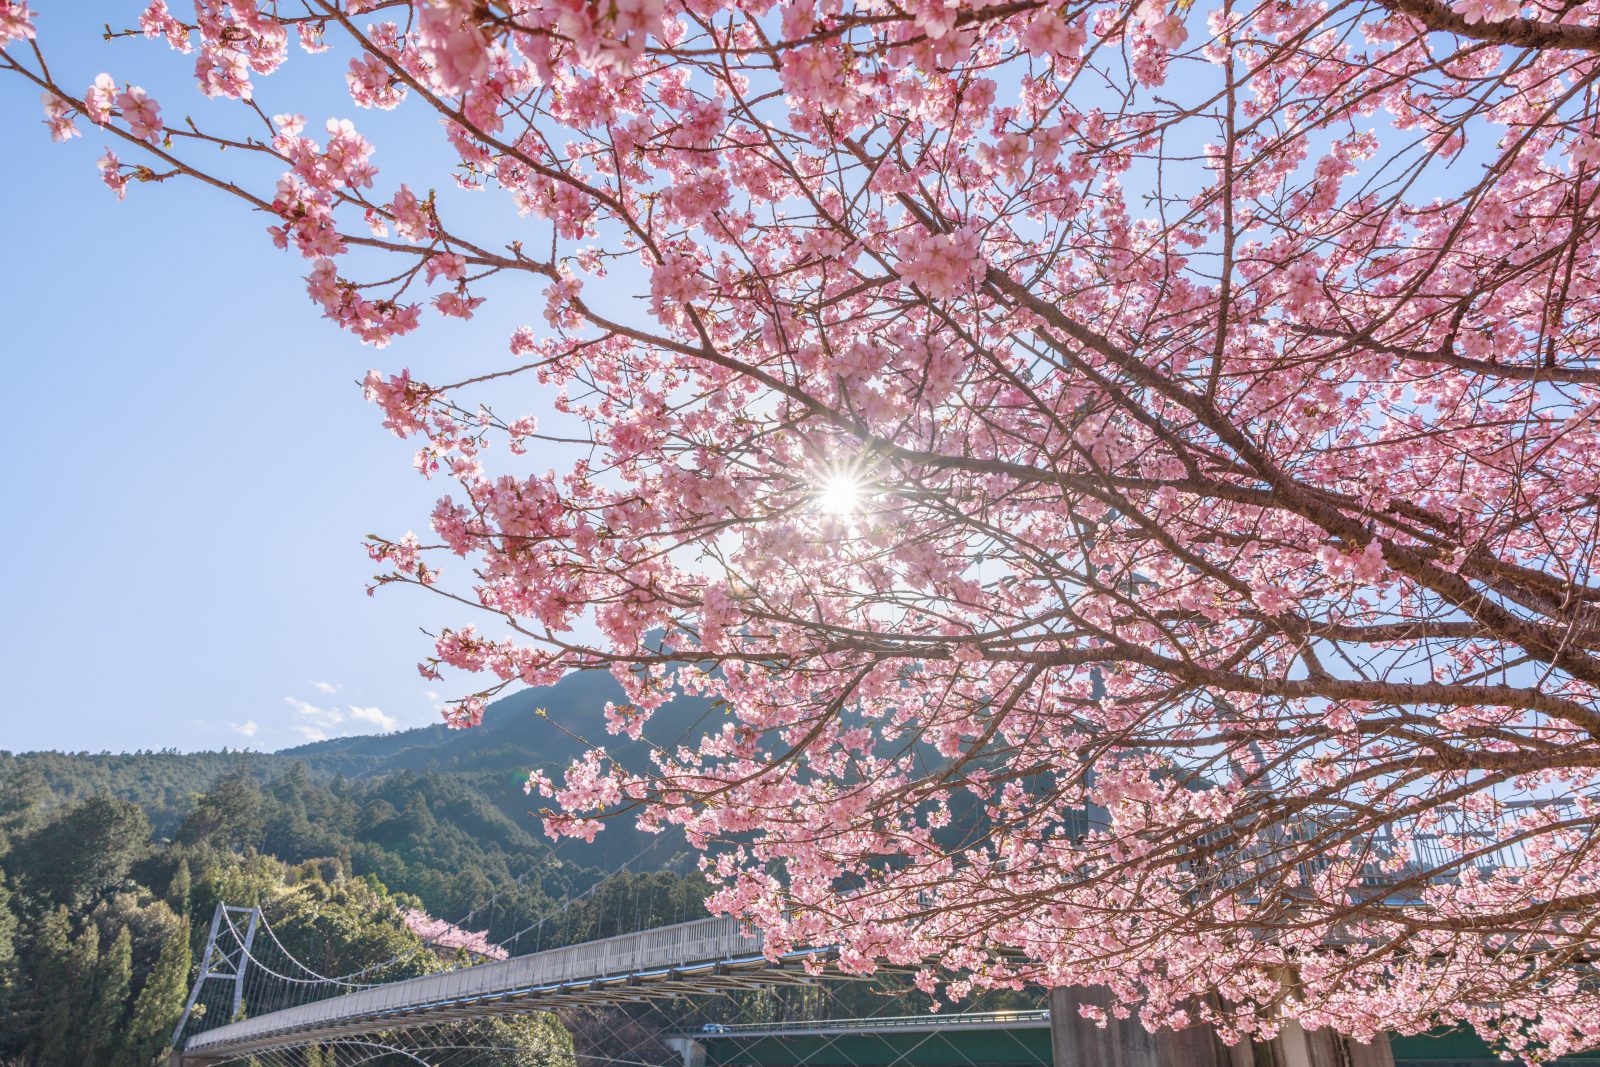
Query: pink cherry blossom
[1487, 10]
[457, 52]
[141, 113]
[16, 21]
[457, 304]
[1049, 34]
[112, 174]
[1165, 28]
[99, 99]
[942, 265]
[410, 216]
[373, 84]
[157, 21]
[449, 265]
[58, 117]
[438, 933]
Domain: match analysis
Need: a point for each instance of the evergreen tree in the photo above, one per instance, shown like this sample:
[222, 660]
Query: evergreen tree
[44, 974]
[8, 961]
[22, 793]
[102, 1022]
[78, 856]
[160, 1002]
[179, 888]
[228, 816]
[534, 1040]
[61, 1037]
[97, 923]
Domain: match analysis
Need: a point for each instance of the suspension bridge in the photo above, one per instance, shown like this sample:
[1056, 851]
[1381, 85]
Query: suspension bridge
[254, 1003]
[699, 957]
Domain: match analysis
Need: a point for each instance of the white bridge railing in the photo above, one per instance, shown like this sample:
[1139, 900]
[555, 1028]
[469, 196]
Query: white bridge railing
[650, 952]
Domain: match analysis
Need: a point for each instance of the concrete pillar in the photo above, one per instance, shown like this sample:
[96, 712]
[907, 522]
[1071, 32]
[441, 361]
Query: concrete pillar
[1245, 1053]
[1375, 1054]
[1197, 1044]
[1325, 1048]
[1302, 1049]
[692, 1051]
[1077, 1042]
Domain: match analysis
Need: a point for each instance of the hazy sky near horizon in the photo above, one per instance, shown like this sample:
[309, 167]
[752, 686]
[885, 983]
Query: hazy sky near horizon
[192, 467]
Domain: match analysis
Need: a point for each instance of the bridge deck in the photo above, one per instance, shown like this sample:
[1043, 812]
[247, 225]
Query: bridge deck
[701, 956]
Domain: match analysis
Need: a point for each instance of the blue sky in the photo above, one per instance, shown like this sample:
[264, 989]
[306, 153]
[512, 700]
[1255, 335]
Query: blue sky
[191, 465]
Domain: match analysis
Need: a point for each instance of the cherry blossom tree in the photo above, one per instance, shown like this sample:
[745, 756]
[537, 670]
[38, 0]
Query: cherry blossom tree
[1128, 474]
[442, 934]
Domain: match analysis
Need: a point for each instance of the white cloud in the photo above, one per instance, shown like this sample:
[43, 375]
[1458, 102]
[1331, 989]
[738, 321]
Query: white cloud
[329, 688]
[324, 716]
[375, 716]
[315, 722]
[318, 723]
[247, 728]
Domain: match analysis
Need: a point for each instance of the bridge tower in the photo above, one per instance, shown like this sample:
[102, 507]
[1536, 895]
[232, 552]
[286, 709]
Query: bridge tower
[220, 962]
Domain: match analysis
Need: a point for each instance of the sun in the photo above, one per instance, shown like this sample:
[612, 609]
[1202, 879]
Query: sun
[840, 494]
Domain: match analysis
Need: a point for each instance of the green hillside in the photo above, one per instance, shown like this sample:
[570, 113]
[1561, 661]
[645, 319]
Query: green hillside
[432, 812]
[100, 928]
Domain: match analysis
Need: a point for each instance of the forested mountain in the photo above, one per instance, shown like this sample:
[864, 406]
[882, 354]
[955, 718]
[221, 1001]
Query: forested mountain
[461, 776]
[512, 733]
[110, 864]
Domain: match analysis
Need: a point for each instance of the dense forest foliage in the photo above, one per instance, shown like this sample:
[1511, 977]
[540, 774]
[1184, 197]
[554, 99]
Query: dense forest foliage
[100, 926]
[431, 835]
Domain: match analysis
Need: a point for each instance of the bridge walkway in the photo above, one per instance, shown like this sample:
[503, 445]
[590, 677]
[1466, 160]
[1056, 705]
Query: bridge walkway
[703, 956]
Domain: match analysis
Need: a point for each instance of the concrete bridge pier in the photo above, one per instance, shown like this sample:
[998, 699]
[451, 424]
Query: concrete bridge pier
[1325, 1048]
[1078, 1042]
[692, 1051]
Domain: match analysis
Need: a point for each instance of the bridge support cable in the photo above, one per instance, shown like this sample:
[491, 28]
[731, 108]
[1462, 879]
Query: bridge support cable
[267, 977]
[624, 999]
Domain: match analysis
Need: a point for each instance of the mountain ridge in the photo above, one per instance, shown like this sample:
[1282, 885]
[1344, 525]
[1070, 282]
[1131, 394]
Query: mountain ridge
[491, 760]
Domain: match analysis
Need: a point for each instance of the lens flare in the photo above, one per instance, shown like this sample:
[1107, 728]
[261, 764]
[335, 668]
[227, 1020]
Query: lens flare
[840, 494]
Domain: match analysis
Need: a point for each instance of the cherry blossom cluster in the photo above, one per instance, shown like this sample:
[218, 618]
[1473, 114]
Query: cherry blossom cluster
[16, 22]
[442, 934]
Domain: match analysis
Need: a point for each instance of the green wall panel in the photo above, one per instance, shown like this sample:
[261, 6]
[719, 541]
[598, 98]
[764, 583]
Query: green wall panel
[982, 1048]
[1029, 1048]
[1459, 1045]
